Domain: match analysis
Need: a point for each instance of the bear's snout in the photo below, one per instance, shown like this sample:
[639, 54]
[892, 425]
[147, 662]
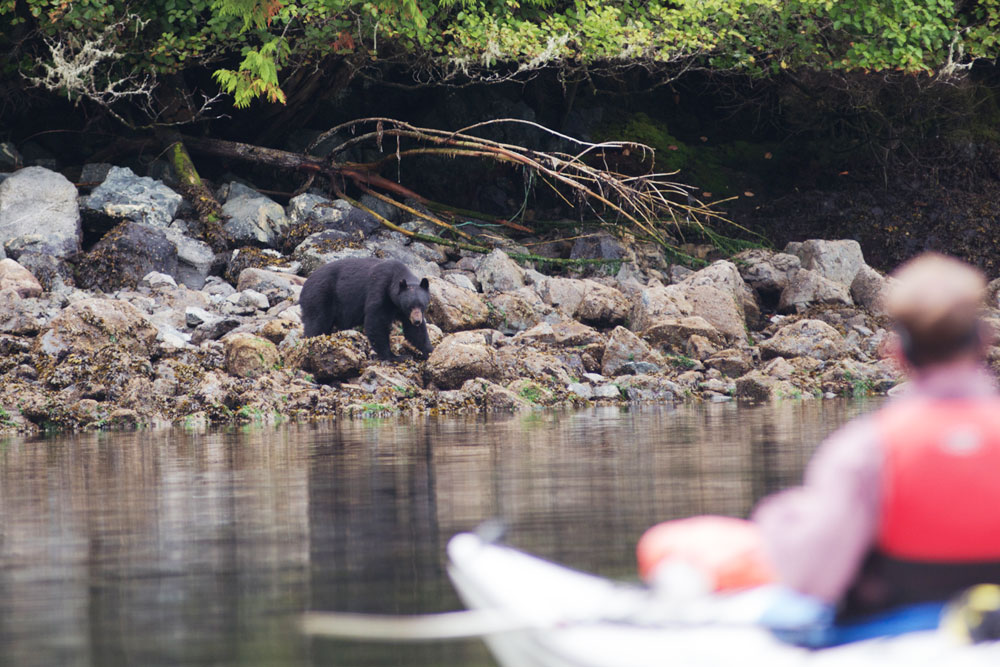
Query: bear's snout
[416, 317]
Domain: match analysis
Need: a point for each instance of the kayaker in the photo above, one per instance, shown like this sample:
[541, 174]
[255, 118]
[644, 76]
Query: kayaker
[898, 507]
[901, 506]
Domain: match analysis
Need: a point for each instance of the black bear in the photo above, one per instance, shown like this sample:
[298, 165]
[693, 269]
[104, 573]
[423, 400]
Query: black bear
[370, 292]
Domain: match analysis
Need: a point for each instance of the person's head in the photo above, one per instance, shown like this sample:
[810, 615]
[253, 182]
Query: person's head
[934, 301]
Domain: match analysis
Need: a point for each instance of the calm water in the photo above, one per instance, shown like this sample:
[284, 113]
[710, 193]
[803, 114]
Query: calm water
[175, 548]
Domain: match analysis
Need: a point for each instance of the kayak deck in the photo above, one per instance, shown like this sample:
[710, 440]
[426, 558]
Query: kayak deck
[562, 617]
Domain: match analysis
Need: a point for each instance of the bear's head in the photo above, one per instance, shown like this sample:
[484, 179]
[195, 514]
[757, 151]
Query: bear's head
[413, 299]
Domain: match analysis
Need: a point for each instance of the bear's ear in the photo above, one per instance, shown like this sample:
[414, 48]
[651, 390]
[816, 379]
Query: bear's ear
[425, 284]
[403, 285]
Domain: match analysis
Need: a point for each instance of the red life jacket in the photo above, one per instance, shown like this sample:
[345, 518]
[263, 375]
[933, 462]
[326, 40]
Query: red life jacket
[941, 480]
[940, 515]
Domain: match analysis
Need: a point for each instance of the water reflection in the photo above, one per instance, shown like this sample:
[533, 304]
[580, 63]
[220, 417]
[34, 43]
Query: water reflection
[174, 548]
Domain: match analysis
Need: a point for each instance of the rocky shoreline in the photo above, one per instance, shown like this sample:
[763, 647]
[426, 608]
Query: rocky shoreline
[115, 315]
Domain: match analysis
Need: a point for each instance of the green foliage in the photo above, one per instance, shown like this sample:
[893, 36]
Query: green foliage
[271, 39]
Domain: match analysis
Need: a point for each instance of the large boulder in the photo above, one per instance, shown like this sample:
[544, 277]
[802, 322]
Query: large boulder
[837, 261]
[460, 357]
[868, 290]
[657, 302]
[332, 357]
[759, 386]
[88, 325]
[499, 273]
[125, 196]
[39, 204]
[673, 332]
[254, 219]
[807, 288]
[518, 310]
[334, 214]
[15, 277]
[766, 271]
[22, 316]
[719, 308]
[126, 254]
[602, 306]
[249, 356]
[805, 338]
[275, 285]
[453, 308]
[194, 259]
[624, 348]
[566, 294]
[328, 246]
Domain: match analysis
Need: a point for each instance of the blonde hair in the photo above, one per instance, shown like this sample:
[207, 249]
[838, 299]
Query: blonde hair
[935, 301]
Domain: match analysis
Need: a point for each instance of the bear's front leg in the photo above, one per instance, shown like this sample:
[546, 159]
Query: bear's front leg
[377, 331]
[417, 335]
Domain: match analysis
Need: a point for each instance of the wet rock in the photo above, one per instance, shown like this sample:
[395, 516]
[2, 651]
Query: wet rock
[700, 348]
[537, 335]
[254, 219]
[570, 333]
[868, 291]
[491, 397]
[602, 306]
[139, 199]
[673, 332]
[725, 277]
[565, 294]
[461, 279]
[332, 357]
[607, 391]
[649, 388]
[249, 356]
[40, 206]
[848, 377]
[310, 208]
[731, 363]
[499, 273]
[622, 347]
[126, 254]
[387, 377]
[246, 302]
[837, 261]
[94, 173]
[757, 386]
[214, 329]
[460, 357]
[277, 330]
[88, 325]
[274, 285]
[453, 308]
[778, 368]
[719, 308]
[808, 288]
[328, 246]
[15, 277]
[21, 316]
[638, 368]
[519, 310]
[580, 389]
[767, 271]
[805, 338]
[194, 259]
[598, 246]
[658, 302]
[10, 158]
[539, 365]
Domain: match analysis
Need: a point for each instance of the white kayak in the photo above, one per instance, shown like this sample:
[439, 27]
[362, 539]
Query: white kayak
[554, 616]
